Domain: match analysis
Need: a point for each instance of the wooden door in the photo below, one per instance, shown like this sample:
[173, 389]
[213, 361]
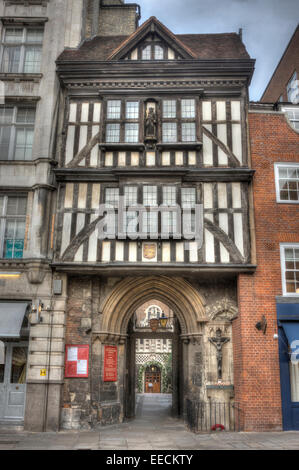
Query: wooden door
[153, 379]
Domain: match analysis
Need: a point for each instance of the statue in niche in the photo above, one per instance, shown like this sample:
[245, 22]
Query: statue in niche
[151, 124]
[218, 341]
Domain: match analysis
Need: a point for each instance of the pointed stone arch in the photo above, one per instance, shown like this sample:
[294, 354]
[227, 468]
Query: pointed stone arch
[187, 304]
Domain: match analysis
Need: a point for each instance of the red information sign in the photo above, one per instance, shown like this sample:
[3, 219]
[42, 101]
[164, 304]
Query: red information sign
[76, 360]
[110, 364]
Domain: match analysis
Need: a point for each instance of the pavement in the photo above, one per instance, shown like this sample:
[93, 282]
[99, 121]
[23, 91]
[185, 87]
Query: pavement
[152, 429]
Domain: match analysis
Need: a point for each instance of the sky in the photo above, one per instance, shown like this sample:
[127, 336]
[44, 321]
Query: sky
[267, 26]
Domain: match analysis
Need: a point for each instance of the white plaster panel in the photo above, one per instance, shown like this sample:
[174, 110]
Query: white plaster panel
[208, 196]
[179, 160]
[207, 110]
[236, 110]
[73, 112]
[180, 254]
[192, 158]
[238, 232]
[83, 137]
[222, 135]
[207, 148]
[93, 241]
[193, 252]
[134, 54]
[222, 196]
[209, 242]
[122, 159]
[165, 158]
[97, 112]
[150, 158]
[108, 158]
[94, 154]
[237, 141]
[106, 249]
[82, 195]
[66, 231]
[221, 110]
[68, 200]
[170, 54]
[236, 195]
[70, 140]
[166, 252]
[134, 158]
[95, 198]
[119, 251]
[79, 254]
[132, 252]
[84, 112]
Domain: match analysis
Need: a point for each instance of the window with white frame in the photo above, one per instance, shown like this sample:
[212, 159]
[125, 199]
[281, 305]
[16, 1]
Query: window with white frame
[290, 268]
[293, 115]
[12, 225]
[293, 89]
[21, 49]
[16, 132]
[122, 121]
[287, 182]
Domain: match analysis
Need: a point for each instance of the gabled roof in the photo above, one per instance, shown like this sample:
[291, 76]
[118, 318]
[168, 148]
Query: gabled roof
[152, 25]
[189, 46]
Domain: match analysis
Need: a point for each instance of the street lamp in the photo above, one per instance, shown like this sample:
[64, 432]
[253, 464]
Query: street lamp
[163, 320]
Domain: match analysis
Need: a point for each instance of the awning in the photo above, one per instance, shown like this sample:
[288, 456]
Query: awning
[291, 329]
[11, 318]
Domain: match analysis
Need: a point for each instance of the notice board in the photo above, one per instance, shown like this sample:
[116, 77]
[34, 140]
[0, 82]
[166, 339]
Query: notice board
[76, 360]
[110, 363]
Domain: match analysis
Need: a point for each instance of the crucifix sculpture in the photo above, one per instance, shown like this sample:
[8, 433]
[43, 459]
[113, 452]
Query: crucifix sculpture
[218, 341]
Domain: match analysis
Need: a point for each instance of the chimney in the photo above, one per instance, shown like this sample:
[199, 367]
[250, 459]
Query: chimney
[110, 18]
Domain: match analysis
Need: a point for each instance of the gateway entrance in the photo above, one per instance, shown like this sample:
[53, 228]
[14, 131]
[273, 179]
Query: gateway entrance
[153, 359]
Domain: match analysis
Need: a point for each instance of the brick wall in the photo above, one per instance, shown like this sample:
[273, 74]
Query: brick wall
[289, 63]
[117, 21]
[256, 361]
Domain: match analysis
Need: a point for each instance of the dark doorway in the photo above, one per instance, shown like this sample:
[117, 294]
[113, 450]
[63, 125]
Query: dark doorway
[160, 370]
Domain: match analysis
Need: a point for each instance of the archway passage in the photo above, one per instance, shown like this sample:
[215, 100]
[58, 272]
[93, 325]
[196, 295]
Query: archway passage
[119, 324]
[185, 301]
[152, 332]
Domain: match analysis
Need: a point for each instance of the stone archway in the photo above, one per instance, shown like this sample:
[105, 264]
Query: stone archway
[118, 308]
[187, 304]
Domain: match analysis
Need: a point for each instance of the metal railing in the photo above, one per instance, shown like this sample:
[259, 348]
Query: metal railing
[213, 416]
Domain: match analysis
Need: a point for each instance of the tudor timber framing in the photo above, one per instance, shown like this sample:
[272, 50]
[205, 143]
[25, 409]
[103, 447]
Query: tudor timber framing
[223, 79]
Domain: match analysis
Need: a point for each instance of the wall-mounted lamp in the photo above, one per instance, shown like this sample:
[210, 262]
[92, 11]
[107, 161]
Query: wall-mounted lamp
[262, 325]
[36, 311]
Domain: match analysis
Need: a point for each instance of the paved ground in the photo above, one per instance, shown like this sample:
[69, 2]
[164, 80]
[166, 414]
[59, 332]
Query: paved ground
[153, 429]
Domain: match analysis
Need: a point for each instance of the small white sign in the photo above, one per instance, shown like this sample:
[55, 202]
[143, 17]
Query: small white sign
[82, 367]
[72, 354]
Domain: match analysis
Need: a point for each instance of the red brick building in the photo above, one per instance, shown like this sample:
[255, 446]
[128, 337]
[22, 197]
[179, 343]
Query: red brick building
[273, 291]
